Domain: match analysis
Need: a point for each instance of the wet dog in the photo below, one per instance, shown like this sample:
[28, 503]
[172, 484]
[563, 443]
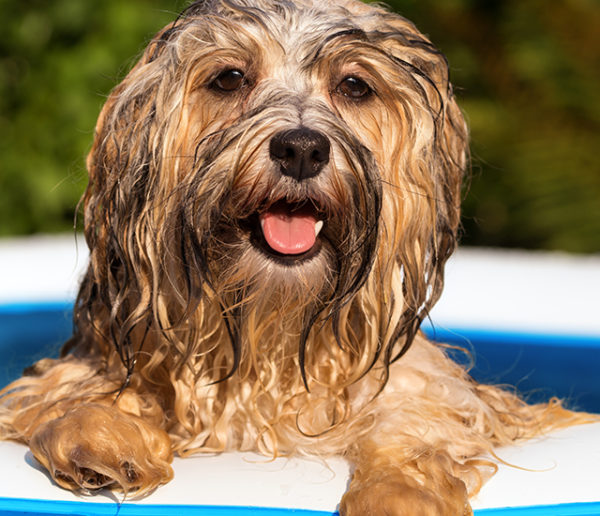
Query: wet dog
[274, 191]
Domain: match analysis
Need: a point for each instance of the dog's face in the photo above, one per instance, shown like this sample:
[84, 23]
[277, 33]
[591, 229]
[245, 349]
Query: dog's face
[277, 156]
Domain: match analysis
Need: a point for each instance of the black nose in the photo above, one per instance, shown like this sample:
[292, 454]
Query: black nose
[301, 153]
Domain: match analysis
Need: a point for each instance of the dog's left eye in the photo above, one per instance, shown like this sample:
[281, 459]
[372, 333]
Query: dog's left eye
[354, 88]
[229, 80]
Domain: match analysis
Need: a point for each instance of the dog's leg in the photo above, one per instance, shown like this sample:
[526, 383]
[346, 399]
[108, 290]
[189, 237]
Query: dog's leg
[386, 483]
[426, 454]
[84, 433]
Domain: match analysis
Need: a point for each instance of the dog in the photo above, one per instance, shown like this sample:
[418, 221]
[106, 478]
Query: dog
[274, 190]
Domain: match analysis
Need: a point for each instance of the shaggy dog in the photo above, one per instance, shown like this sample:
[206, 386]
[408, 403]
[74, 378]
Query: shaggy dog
[274, 191]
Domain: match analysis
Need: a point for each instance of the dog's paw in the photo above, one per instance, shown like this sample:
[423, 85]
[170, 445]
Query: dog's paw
[392, 497]
[94, 446]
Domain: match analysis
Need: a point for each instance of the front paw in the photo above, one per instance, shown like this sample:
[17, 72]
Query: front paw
[395, 497]
[94, 446]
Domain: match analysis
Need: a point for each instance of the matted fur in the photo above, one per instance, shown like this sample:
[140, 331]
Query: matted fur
[189, 337]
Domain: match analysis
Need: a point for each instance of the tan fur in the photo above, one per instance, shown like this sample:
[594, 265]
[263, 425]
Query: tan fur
[189, 339]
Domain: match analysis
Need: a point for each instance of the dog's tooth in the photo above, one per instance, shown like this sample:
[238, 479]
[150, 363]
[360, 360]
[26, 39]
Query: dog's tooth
[318, 227]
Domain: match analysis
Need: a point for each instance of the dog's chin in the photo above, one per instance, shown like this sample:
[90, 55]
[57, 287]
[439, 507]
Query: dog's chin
[299, 278]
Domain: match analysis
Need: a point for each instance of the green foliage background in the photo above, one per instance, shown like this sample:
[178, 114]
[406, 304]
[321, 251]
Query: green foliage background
[527, 74]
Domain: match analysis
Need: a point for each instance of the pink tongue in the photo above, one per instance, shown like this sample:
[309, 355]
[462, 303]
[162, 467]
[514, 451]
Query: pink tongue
[288, 232]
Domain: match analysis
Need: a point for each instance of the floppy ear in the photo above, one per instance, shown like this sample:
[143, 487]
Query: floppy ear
[428, 162]
[123, 154]
[123, 167]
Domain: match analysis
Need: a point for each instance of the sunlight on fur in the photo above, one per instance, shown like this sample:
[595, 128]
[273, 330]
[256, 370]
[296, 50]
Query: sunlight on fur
[274, 191]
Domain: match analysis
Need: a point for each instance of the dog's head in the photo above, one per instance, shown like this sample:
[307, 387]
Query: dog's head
[294, 161]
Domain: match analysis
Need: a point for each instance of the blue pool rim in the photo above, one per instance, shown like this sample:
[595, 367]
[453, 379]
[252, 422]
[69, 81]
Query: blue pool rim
[565, 509]
[529, 337]
[27, 307]
[19, 507]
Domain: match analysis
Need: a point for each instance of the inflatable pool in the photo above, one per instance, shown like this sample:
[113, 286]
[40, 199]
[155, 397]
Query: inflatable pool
[530, 320]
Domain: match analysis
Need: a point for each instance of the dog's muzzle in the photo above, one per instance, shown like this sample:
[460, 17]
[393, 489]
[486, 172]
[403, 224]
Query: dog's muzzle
[291, 229]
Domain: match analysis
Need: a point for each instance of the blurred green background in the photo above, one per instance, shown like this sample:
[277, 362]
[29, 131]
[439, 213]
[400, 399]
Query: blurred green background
[526, 72]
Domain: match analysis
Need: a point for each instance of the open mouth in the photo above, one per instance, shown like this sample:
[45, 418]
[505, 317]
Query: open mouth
[289, 231]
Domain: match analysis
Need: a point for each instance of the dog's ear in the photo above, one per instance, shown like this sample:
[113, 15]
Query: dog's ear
[123, 165]
[124, 130]
[432, 157]
[425, 71]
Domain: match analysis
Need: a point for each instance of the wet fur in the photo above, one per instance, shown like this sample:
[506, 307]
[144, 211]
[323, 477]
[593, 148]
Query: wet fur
[189, 338]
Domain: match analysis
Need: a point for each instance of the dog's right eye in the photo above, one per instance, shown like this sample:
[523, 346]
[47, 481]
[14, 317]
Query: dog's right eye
[229, 80]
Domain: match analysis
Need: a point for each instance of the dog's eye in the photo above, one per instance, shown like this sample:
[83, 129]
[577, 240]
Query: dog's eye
[354, 88]
[229, 80]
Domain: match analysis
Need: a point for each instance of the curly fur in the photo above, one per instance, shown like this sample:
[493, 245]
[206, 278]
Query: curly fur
[189, 337]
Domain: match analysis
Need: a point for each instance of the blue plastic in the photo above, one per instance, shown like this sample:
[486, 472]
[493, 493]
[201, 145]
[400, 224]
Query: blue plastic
[567, 509]
[21, 507]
